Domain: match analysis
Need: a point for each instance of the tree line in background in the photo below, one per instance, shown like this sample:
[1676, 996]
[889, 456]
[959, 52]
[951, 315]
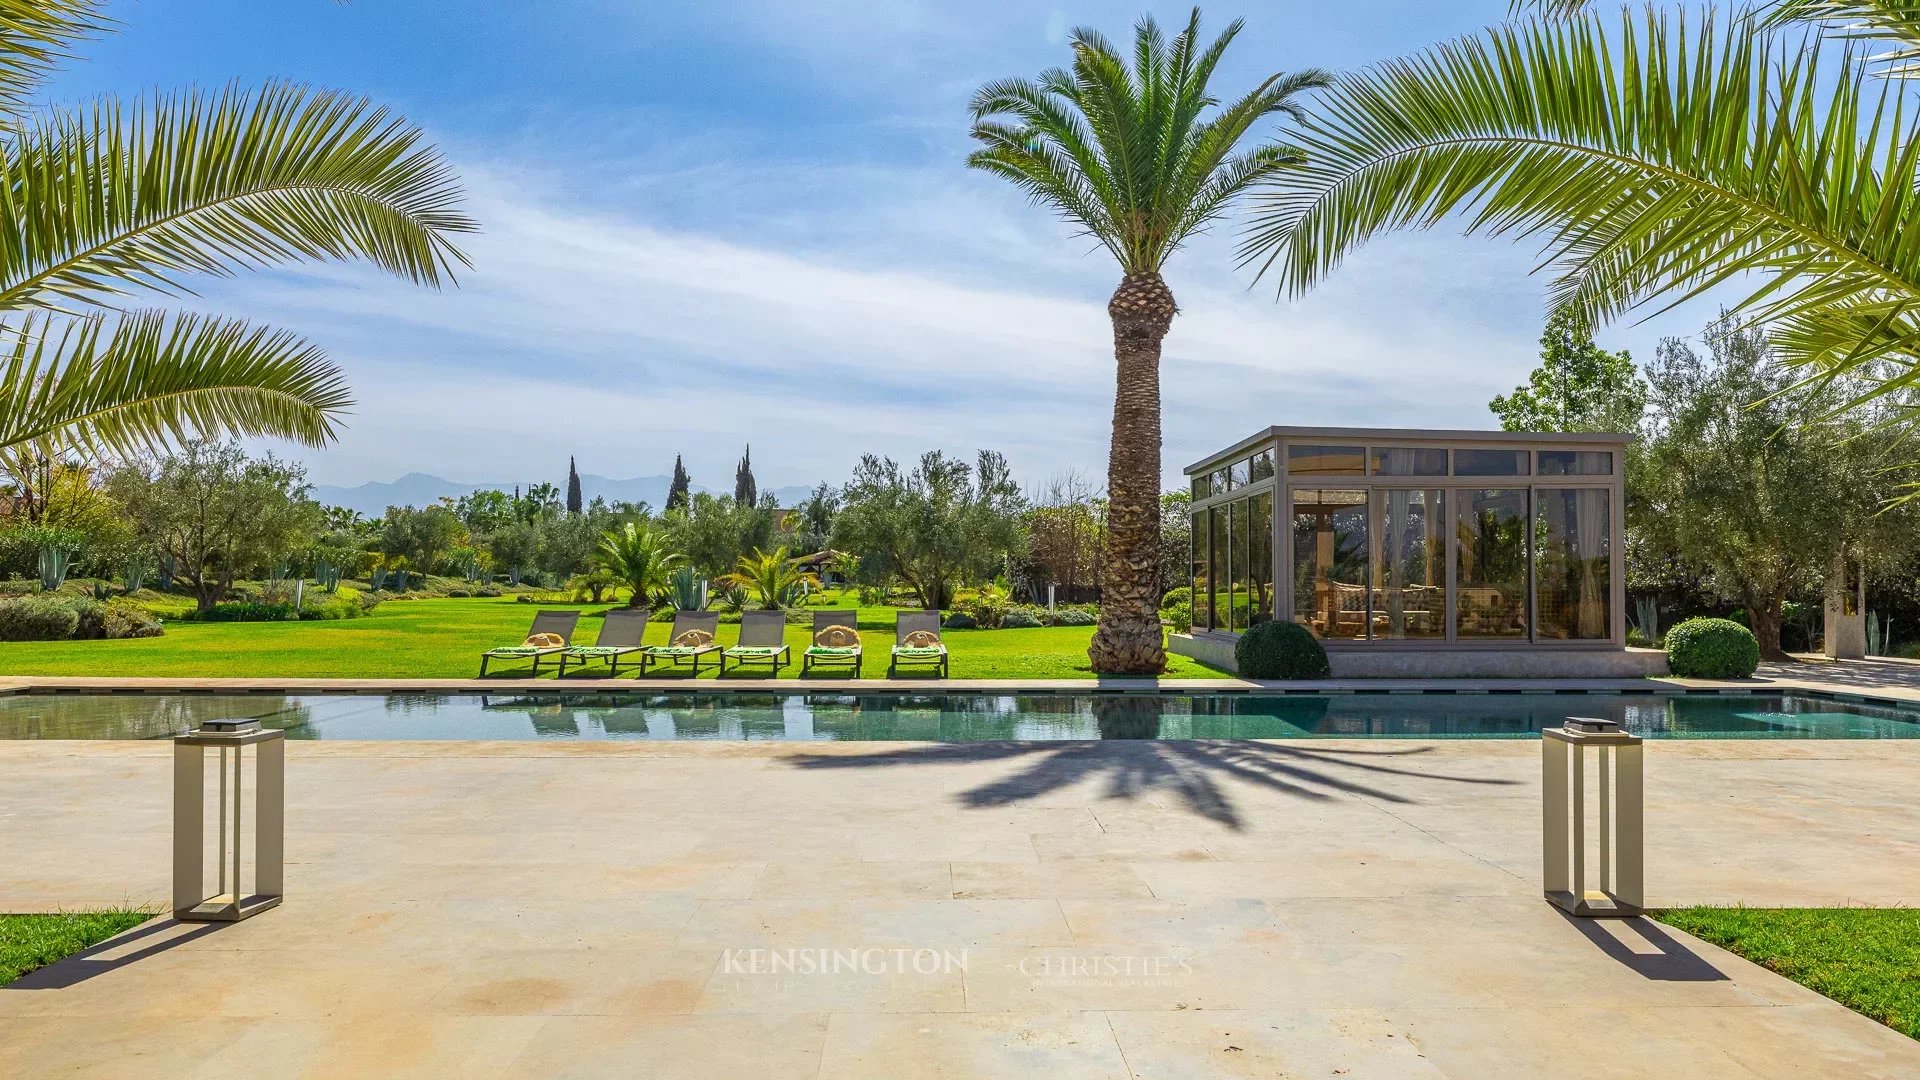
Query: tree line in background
[211, 522]
[1745, 483]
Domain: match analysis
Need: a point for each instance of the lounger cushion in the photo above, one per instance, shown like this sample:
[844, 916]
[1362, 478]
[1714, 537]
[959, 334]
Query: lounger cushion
[919, 650]
[756, 650]
[601, 650]
[523, 650]
[680, 650]
[833, 650]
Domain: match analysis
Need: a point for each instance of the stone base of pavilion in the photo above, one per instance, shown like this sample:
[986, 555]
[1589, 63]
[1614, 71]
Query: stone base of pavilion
[1375, 660]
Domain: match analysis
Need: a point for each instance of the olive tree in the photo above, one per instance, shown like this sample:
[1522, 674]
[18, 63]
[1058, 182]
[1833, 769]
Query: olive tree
[933, 526]
[217, 513]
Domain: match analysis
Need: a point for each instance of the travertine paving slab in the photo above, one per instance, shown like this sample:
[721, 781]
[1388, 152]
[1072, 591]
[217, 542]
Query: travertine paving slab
[950, 1046]
[1351, 909]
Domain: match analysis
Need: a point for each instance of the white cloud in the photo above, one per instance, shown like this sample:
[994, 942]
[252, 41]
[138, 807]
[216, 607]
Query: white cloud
[585, 331]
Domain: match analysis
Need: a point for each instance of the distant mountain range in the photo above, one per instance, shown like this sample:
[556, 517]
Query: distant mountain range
[422, 489]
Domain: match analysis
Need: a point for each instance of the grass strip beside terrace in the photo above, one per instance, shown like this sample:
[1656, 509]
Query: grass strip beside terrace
[1867, 959]
[31, 942]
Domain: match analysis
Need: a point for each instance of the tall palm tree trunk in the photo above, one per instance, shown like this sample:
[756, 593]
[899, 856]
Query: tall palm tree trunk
[1128, 640]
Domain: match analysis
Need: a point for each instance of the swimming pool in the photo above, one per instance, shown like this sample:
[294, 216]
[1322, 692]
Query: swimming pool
[972, 717]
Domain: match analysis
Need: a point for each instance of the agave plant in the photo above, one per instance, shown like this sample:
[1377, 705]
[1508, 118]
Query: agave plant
[684, 590]
[636, 555]
[770, 576]
[134, 571]
[55, 560]
[113, 198]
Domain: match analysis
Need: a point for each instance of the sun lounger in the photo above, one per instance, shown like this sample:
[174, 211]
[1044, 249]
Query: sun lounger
[762, 641]
[819, 655]
[620, 635]
[560, 623]
[935, 653]
[679, 652]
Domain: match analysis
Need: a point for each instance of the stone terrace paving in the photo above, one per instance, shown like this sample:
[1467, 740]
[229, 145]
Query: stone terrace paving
[1352, 909]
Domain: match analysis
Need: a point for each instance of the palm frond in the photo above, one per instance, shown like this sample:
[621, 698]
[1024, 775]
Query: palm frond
[36, 37]
[1660, 160]
[1884, 21]
[1550, 8]
[1136, 151]
[111, 198]
[142, 381]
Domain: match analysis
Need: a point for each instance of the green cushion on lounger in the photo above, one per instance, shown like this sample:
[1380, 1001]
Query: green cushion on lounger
[523, 650]
[599, 650]
[919, 650]
[833, 650]
[679, 650]
[755, 650]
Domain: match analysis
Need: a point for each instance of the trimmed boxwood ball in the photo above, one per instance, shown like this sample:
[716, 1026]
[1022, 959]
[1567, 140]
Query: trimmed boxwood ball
[1281, 650]
[1712, 649]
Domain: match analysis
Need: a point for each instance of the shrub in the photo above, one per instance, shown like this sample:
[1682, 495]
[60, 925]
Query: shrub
[126, 619]
[1712, 649]
[1020, 619]
[249, 611]
[1178, 616]
[1180, 597]
[1074, 617]
[90, 618]
[988, 607]
[1281, 650]
[959, 620]
[347, 603]
[37, 618]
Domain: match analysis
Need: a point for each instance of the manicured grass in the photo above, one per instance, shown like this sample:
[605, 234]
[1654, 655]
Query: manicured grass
[28, 942]
[444, 639]
[1867, 959]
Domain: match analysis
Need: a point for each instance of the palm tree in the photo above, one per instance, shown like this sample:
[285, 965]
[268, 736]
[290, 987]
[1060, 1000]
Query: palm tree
[113, 198]
[771, 575]
[637, 555]
[1652, 159]
[1140, 156]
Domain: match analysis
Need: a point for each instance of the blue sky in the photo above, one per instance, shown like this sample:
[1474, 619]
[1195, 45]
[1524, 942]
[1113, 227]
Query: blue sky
[747, 220]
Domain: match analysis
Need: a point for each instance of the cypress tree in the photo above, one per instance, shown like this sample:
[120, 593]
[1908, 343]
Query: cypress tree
[744, 491]
[573, 487]
[677, 491]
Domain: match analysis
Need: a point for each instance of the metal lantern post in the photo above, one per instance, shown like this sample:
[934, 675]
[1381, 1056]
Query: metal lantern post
[229, 902]
[1619, 770]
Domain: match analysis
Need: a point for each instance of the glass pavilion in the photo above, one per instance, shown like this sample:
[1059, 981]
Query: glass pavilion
[1430, 539]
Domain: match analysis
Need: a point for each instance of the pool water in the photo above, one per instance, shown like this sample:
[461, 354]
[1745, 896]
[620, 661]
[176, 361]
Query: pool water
[951, 717]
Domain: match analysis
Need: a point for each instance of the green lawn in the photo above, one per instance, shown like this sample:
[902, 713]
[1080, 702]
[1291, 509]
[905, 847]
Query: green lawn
[28, 942]
[1867, 959]
[444, 639]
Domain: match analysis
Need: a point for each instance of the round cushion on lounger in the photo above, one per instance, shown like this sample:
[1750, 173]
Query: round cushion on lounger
[837, 637]
[693, 639]
[921, 639]
[544, 641]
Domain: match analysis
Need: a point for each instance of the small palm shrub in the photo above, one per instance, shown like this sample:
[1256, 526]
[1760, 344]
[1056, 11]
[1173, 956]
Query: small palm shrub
[37, 618]
[1281, 650]
[1712, 649]
[988, 607]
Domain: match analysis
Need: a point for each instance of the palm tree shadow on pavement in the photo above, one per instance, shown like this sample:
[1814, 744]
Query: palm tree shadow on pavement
[1135, 763]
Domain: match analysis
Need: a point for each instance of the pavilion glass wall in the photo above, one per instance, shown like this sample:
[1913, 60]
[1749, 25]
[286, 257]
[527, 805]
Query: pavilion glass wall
[1487, 551]
[1233, 565]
